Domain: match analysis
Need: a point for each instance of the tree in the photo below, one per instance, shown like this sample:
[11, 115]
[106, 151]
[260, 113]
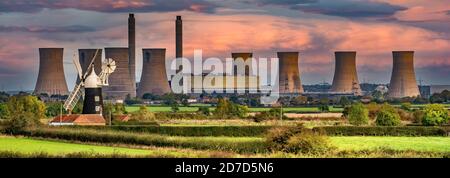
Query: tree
[387, 116]
[344, 101]
[435, 114]
[24, 111]
[228, 109]
[4, 112]
[168, 99]
[204, 110]
[174, 107]
[54, 109]
[4, 97]
[358, 115]
[324, 108]
[119, 109]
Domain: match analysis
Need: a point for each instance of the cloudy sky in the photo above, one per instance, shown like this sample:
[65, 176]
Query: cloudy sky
[315, 28]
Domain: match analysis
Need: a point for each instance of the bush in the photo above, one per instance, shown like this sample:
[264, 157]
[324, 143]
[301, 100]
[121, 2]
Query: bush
[272, 114]
[418, 116]
[405, 115]
[387, 116]
[435, 114]
[204, 110]
[382, 131]
[143, 114]
[308, 142]
[406, 106]
[358, 115]
[373, 108]
[296, 140]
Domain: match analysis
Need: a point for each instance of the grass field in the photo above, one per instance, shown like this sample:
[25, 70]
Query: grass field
[195, 108]
[435, 144]
[368, 147]
[27, 145]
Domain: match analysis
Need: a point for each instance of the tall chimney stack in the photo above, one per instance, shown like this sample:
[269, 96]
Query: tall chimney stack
[179, 37]
[132, 50]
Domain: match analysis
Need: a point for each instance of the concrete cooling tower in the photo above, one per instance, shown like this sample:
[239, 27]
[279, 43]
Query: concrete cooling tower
[403, 79]
[51, 79]
[289, 74]
[120, 82]
[85, 57]
[154, 78]
[345, 76]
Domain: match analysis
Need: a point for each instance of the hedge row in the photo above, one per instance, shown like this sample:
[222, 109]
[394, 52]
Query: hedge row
[119, 137]
[194, 131]
[383, 131]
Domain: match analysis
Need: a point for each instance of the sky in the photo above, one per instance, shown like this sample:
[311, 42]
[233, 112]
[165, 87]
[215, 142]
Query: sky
[314, 28]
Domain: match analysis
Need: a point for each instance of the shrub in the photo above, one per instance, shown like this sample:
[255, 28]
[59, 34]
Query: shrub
[277, 138]
[19, 122]
[308, 142]
[272, 114]
[435, 114]
[296, 140]
[358, 115]
[4, 112]
[405, 115]
[226, 109]
[373, 108]
[418, 116]
[387, 116]
[143, 114]
[204, 110]
[406, 106]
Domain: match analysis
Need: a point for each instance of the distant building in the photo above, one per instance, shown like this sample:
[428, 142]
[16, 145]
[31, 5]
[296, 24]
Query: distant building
[425, 91]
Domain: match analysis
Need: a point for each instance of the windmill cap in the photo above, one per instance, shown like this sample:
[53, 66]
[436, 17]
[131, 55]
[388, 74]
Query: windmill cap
[92, 80]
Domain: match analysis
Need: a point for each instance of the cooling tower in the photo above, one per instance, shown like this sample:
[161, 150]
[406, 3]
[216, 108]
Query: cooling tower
[345, 76]
[51, 79]
[403, 79]
[289, 74]
[120, 84]
[154, 78]
[132, 49]
[85, 57]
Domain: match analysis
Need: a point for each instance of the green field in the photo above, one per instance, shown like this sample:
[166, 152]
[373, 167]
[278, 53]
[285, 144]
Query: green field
[435, 144]
[195, 108]
[27, 145]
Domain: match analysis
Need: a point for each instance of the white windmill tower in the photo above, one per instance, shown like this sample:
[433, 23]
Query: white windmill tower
[90, 86]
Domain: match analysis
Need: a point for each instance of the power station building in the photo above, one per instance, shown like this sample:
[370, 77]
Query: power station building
[345, 76]
[120, 82]
[154, 77]
[85, 56]
[51, 79]
[289, 74]
[403, 80]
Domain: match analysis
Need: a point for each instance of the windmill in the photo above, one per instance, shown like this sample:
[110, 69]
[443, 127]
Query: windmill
[89, 86]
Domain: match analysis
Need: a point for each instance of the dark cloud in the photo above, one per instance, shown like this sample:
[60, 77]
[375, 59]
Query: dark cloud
[32, 6]
[285, 2]
[37, 29]
[350, 8]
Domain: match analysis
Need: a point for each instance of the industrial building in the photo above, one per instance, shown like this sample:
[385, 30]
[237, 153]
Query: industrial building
[85, 56]
[153, 78]
[289, 73]
[51, 79]
[345, 76]
[120, 82]
[403, 80]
